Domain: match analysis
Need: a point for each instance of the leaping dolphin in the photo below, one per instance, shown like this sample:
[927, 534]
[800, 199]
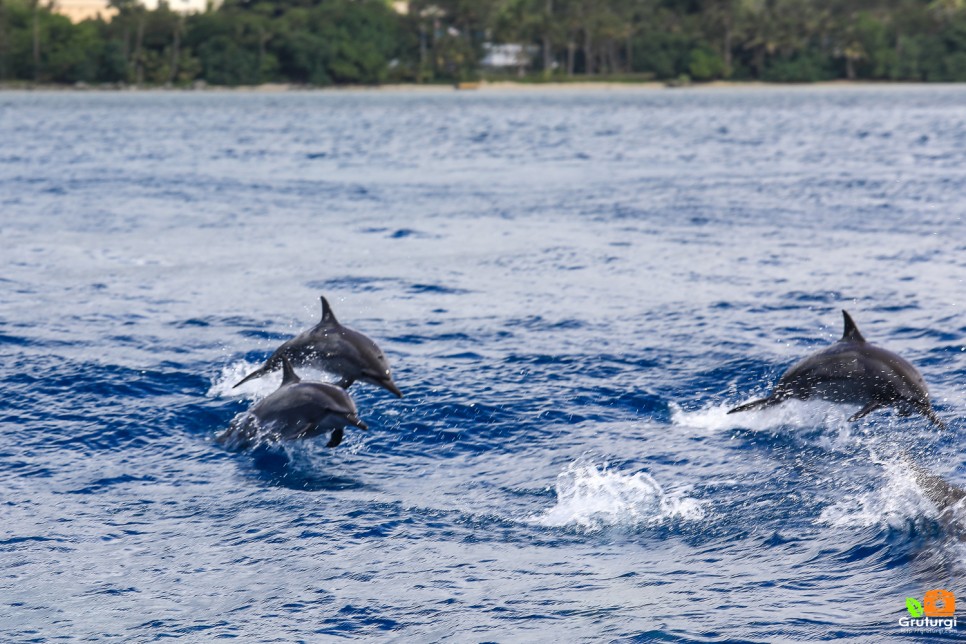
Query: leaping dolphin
[855, 372]
[297, 410]
[331, 347]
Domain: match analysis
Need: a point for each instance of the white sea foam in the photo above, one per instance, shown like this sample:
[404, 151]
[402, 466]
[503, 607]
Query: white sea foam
[793, 413]
[222, 385]
[594, 497]
[892, 504]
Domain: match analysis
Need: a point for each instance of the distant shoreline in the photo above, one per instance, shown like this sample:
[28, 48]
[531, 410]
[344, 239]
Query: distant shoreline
[481, 87]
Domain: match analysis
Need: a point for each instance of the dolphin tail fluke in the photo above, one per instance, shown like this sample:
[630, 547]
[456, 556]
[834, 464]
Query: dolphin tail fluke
[761, 403]
[258, 373]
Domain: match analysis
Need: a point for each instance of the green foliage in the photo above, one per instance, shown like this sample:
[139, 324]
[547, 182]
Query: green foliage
[706, 65]
[112, 67]
[665, 54]
[73, 53]
[873, 40]
[454, 58]
[361, 37]
[326, 42]
[806, 67]
[305, 59]
[225, 62]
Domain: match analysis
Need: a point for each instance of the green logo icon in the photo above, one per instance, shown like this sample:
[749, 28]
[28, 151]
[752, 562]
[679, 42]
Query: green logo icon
[914, 606]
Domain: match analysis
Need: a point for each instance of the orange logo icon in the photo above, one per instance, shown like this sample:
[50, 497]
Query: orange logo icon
[939, 603]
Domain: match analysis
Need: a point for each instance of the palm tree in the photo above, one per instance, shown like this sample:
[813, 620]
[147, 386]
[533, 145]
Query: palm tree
[3, 40]
[36, 39]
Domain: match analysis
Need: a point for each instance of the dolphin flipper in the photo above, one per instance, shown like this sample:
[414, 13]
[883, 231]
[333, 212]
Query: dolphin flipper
[335, 437]
[761, 403]
[865, 411]
[902, 411]
[345, 382]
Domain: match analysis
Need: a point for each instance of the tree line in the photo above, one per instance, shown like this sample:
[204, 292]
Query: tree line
[327, 42]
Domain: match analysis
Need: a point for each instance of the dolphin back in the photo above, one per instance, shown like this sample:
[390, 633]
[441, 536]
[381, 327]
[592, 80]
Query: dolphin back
[303, 397]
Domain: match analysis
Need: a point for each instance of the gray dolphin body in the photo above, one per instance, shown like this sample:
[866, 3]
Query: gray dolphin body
[855, 372]
[938, 490]
[331, 347]
[297, 410]
[947, 497]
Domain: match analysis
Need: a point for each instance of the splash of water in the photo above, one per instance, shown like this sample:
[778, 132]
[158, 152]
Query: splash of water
[594, 497]
[222, 385]
[893, 504]
[791, 413]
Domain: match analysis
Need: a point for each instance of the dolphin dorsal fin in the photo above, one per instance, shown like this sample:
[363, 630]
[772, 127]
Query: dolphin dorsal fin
[288, 373]
[851, 333]
[328, 317]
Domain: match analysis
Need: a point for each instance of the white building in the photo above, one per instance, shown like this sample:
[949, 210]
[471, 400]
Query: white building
[508, 56]
[182, 6]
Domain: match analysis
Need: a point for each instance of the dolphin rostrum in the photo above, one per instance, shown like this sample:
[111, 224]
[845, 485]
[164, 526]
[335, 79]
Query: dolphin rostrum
[297, 410]
[331, 347]
[855, 372]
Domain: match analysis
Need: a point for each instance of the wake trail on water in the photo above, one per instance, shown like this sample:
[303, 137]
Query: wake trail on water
[792, 413]
[593, 497]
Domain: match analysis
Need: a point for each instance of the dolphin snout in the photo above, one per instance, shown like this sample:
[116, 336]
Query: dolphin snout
[389, 385]
[383, 380]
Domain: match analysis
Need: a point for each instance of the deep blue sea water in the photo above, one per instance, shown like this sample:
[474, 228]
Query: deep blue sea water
[572, 288]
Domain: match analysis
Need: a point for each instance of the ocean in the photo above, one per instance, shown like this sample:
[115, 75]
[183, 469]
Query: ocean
[572, 288]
